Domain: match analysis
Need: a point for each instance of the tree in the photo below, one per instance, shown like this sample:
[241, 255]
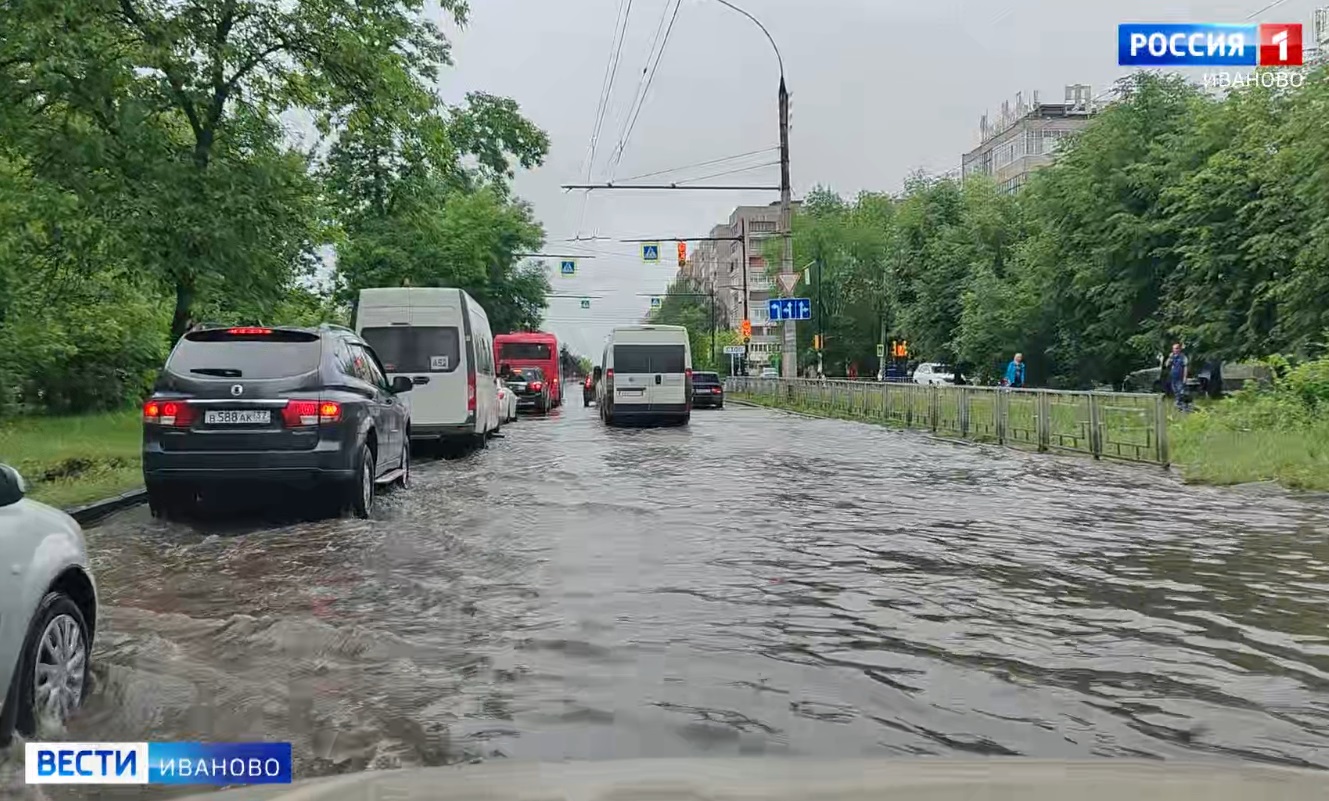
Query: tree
[203, 86]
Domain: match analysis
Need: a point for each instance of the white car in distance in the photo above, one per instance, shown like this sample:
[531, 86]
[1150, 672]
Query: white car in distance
[934, 373]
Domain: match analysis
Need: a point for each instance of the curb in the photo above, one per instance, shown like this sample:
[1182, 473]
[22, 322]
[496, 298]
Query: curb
[98, 510]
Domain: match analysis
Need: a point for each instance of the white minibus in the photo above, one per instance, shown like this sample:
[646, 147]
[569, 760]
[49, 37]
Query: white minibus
[438, 337]
[645, 375]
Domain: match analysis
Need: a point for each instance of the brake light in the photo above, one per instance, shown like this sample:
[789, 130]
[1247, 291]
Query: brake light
[249, 330]
[688, 374]
[176, 414]
[470, 392]
[609, 373]
[536, 386]
[590, 382]
[310, 412]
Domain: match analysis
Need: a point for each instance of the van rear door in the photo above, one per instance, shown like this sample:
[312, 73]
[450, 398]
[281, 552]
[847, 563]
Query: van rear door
[431, 356]
[650, 375]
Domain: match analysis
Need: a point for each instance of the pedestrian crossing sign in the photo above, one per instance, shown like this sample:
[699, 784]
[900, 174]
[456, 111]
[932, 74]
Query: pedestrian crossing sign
[655, 302]
[586, 303]
[568, 267]
[650, 252]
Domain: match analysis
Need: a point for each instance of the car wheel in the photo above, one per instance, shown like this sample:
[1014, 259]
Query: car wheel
[53, 668]
[360, 493]
[405, 481]
[720, 405]
[159, 501]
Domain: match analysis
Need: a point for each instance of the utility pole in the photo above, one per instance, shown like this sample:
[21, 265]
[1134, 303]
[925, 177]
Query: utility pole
[789, 359]
[743, 254]
[821, 320]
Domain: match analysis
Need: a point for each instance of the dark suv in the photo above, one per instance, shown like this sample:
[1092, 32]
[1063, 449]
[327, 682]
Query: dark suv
[292, 406]
[530, 387]
[707, 390]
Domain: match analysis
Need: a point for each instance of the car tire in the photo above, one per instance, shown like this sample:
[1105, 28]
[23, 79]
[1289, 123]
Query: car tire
[57, 617]
[405, 481]
[480, 441]
[360, 490]
[164, 500]
[720, 405]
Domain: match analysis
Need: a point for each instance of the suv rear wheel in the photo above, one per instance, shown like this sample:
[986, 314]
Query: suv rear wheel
[359, 498]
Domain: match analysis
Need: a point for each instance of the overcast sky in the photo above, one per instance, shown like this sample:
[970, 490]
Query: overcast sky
[879, 88]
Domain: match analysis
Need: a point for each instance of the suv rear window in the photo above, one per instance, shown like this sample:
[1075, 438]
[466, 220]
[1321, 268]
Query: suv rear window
[532, 373]
[705, 378]
[256, 353]
[415, 349]
[649, 359]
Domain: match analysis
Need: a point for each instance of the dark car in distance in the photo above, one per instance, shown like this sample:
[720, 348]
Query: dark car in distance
[286, 406]
[588, 391]
[530, 387]
[707, 390]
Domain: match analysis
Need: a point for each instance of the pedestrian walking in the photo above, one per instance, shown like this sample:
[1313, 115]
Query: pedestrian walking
[1178, 371]
[1015, 372]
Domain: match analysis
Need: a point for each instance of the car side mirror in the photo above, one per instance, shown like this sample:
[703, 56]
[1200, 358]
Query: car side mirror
[401, 383]
[12, 487]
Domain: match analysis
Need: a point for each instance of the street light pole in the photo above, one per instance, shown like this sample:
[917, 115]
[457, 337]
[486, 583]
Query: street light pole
[789, 351]
[789, 358]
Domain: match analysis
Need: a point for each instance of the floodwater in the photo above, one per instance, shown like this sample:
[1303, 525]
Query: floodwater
[755, 583]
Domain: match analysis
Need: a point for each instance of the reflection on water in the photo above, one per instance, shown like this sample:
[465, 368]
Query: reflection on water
[753, 584]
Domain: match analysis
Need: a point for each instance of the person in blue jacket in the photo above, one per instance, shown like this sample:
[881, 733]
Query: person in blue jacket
[1015, 372]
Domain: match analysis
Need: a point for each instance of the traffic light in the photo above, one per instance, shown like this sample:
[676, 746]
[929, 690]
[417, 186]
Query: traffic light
[682, 254]
[816, 342]
[745, 329]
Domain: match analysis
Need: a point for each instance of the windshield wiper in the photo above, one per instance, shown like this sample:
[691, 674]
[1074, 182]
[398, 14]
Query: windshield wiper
[223, 372]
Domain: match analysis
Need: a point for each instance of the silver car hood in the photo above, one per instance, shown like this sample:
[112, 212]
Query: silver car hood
[795, 779]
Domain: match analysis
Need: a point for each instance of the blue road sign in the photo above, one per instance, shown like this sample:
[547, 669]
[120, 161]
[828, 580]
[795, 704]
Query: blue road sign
[789, 309]
[655, 302]
[650, 251]
[586, 303]
[568, 267]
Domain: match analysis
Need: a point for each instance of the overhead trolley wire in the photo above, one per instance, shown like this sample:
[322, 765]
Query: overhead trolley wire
[606, 92]
[649, 76]
[707, 163]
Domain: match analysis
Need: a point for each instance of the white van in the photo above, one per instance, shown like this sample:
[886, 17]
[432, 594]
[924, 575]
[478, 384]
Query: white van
[439, 338]
[646, 375]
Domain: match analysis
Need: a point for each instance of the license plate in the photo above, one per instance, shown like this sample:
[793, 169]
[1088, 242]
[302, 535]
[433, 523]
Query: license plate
[234, 417]
[631, 390]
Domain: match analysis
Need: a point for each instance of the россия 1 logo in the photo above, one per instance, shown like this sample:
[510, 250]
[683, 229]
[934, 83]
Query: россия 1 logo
[1209, 45]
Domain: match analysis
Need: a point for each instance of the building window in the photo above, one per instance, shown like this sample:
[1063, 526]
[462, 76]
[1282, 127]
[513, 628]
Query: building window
[762, 226]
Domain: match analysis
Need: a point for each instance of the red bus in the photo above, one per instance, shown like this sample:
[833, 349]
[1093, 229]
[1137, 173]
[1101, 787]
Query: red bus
[532, 349]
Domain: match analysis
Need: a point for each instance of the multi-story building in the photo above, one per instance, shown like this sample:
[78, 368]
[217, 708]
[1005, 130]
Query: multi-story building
[737, 251]
[1025, 136]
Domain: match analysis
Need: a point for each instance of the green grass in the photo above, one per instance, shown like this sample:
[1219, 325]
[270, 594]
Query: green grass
[1211, 454]
[68, 461]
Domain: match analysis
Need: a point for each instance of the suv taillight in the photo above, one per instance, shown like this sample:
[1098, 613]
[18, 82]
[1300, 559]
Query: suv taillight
[470, 392]
[536, 386]
[310, 412]
[173, 414]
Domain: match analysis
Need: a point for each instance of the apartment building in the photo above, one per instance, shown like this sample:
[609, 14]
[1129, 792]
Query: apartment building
[1025, 136]
[739, 249]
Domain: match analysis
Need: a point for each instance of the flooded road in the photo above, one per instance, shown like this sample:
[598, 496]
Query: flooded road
[755, 583]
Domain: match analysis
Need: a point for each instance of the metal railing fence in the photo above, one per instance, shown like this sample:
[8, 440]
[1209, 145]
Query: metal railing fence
[1114, 425]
